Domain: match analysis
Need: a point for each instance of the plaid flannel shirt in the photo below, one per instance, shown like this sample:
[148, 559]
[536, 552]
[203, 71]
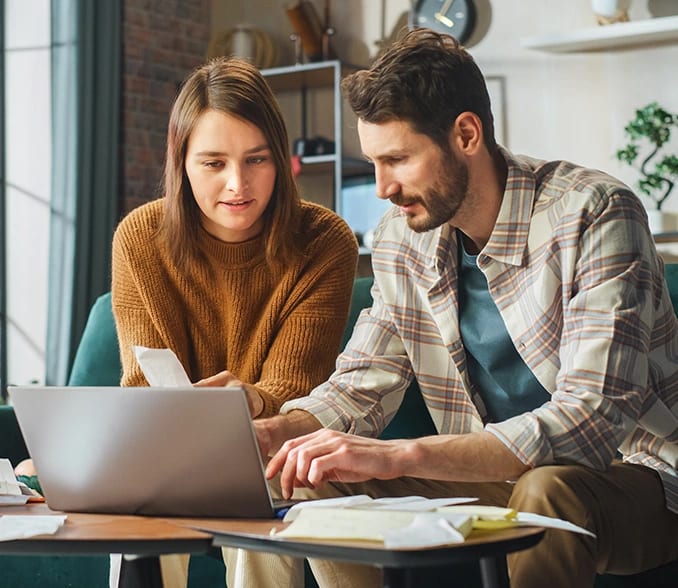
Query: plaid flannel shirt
[573, 270]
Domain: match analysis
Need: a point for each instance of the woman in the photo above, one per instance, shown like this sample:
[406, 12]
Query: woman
[230, 270]
[244, 282]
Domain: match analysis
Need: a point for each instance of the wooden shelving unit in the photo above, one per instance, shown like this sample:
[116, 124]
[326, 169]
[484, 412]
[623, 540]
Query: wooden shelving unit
[305, 78]
[670, 237]
[615, 36]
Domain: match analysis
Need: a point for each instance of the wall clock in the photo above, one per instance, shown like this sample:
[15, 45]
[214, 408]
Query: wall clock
[454, 17]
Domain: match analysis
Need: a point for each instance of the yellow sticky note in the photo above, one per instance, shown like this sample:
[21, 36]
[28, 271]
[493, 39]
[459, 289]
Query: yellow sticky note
[485, 517]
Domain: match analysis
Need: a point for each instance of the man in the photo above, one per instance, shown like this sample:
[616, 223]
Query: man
[528, 300]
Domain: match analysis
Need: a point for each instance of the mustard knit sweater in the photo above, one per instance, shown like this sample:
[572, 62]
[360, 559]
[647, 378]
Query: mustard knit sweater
[278, 330]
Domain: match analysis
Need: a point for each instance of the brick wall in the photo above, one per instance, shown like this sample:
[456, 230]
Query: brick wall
[163, 40]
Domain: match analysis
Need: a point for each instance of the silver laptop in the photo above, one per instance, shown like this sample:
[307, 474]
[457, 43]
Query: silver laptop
[155, 451]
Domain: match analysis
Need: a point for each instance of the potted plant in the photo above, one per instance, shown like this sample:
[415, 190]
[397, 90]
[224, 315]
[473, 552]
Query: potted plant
[650, 132]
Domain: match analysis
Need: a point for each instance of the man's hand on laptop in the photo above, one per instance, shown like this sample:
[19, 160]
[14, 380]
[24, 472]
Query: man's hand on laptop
[310, 460]
[226, 378]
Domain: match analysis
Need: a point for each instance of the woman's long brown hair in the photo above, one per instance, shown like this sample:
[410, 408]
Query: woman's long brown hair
[235, 87]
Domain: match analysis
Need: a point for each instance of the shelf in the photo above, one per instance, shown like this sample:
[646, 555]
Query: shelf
[319, 160]
[353, 166]
[324, 164]
[670, 237]
[319, 74]
[613, 36]
[305, 80]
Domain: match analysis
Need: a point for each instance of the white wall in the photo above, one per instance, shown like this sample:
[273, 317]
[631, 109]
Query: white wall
[574, 106]
[28, 161]
[565, 106]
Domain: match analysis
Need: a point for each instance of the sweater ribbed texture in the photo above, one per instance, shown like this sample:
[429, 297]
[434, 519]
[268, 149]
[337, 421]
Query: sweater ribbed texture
[278, 329]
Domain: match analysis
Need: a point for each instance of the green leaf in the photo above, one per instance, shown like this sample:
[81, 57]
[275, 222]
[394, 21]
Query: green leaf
[628, 154]
[668, 166]
[650, 131]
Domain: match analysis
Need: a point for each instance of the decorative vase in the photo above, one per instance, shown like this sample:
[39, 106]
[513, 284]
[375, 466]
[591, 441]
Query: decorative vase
[611, 11]
[247, 42]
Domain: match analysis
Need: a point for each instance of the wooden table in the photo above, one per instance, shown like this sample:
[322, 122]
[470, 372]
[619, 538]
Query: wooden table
[400, 566]
[84, 534]
[153, 536]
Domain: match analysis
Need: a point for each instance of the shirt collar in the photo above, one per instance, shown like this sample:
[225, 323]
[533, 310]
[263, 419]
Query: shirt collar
[508, 240]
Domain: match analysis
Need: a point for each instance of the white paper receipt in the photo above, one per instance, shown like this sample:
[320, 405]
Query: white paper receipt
[161, 367]
[14, 527]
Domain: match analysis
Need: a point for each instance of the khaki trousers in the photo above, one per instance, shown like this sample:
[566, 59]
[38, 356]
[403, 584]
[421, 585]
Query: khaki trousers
[624, 506]
[241, 572]
[173, 567]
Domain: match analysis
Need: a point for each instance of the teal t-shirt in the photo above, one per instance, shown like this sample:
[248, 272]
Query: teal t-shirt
[505, 383]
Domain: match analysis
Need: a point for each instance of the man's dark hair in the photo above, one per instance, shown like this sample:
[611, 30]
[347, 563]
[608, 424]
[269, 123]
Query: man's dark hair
[427, 79]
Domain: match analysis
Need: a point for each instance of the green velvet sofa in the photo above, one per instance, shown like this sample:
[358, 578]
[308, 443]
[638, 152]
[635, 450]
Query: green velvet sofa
[97, 363]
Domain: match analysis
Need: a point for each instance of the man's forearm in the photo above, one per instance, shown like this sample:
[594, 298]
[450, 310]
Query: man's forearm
[473, 457]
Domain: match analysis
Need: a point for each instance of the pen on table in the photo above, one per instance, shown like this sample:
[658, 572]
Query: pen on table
[281, 512]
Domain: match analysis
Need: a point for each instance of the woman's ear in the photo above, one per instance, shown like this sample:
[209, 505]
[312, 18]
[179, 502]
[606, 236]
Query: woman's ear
[466, 134]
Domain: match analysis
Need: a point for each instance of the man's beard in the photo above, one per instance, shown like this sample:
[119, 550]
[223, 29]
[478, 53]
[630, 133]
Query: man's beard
[442, 200]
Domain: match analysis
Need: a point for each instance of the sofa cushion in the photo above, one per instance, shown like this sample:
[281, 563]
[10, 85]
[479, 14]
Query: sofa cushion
[12, 444]
[412, 418]
[97, 360]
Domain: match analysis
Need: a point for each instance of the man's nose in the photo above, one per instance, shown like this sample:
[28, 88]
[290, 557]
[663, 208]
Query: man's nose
[386, 186]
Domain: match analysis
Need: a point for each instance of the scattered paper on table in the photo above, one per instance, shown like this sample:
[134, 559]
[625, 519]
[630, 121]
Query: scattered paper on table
[392, 528]
[486, 517]
[339, 502]
[529, 518]
[415, 503]
[487, 513]
[11, 490]
[362, 501]
[405, 522]
[161, 367]
[497, 517]
[22, 526]
[429, 529]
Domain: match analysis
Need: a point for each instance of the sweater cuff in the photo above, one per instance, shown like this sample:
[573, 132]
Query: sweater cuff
[272, 405]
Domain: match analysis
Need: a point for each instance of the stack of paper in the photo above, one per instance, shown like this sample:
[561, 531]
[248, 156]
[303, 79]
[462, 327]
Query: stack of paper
[11, 490]
[392, 528]
[394, 522]
[408, 522]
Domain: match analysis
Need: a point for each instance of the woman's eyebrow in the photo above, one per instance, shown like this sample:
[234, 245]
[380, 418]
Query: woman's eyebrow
[208, 153]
